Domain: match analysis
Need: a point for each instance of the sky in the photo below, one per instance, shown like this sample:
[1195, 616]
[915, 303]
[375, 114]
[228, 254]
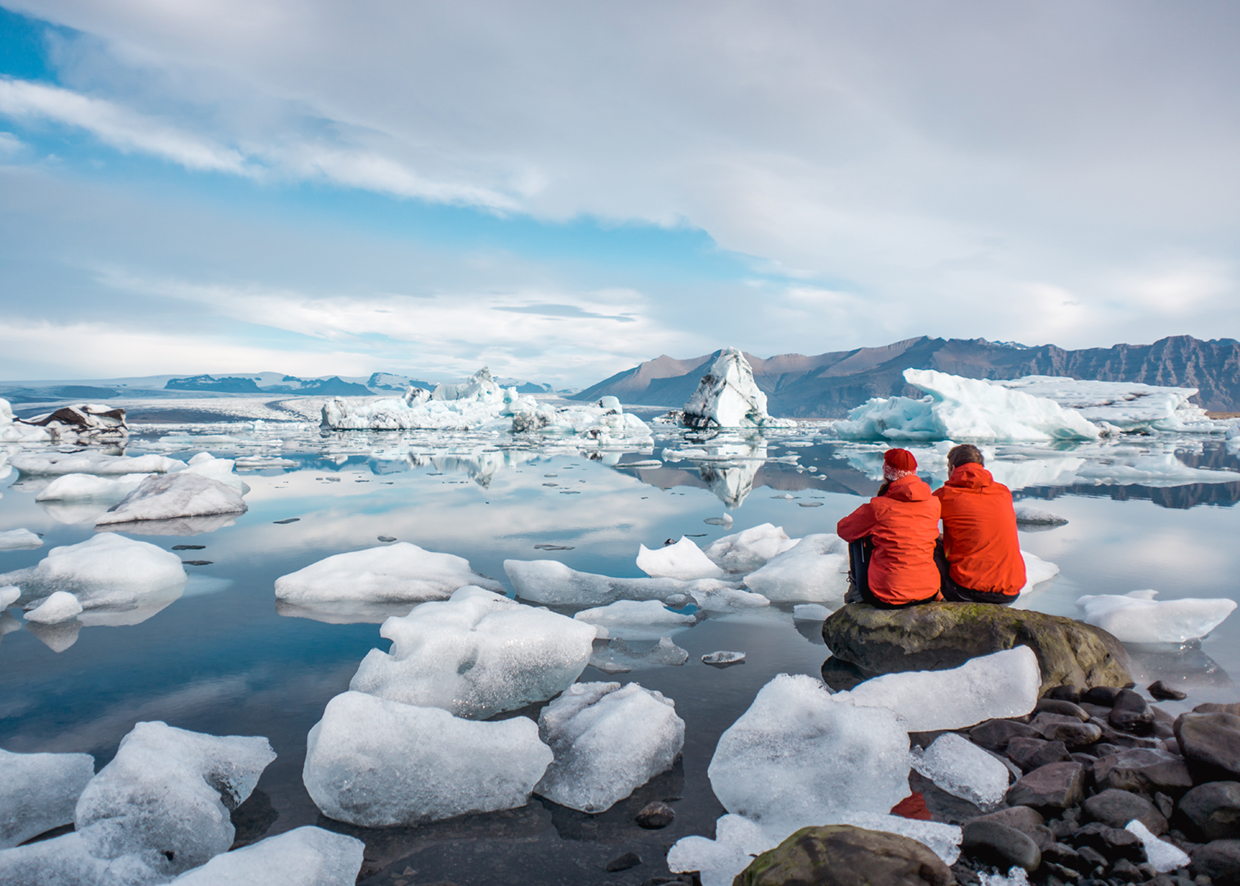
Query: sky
[561, 190]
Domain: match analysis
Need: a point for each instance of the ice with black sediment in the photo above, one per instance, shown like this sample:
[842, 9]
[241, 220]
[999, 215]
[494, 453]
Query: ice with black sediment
[728, 397]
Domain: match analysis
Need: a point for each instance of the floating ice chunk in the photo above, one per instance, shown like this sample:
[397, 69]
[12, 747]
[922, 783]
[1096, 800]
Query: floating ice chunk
[728, 397]
[683, 560]
[815, 569]
[171, 496]
[552, 583]
[476, 655]
[723, 657]
[60, 606]
[737, 841]
[799, 757]
[608, 741]
[1162, 855]
[1037, 517]
[107, 571]
[400, 572]
[619, 658]
[83, 423]
[76, 487]
[634, 619]
[727, 599]
[959, 408]
[749, 549]
[1136, 617]
[472, 404]
[810, 612]
[996, 686]
[9, 594]
[218, 469]
[165, 799]
[56, 463]
[305, 856]
[17, 539]
[374, 762]
[1163, 469]
[39, 792]
[1037, 571]
[964, 770]
[604, 426]
[1125, 405]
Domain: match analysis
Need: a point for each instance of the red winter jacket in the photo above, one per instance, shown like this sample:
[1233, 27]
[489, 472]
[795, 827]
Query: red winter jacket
[979, 532]
[904, 525]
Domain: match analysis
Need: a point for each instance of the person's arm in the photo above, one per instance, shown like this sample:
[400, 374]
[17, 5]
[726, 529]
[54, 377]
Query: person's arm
[858, 524]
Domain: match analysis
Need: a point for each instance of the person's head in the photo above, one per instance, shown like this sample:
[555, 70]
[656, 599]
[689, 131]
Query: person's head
[898, 463]
[964, 454]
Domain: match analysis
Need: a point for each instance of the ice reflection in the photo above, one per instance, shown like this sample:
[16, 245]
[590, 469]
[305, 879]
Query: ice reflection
[1186, 667]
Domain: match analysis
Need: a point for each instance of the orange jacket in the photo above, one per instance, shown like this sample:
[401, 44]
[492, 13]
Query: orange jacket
[979, 532]
[904, 525]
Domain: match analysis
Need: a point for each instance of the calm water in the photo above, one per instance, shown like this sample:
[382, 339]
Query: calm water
[222, 659]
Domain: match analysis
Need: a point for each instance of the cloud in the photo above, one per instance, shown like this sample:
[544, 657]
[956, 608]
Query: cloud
[565, 311]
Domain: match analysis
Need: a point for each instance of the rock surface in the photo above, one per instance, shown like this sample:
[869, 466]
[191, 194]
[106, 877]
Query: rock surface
[945, 635]
[842, 855]
[1001, 845]
[1214, 809]
[1211, 744]
[1054, 786]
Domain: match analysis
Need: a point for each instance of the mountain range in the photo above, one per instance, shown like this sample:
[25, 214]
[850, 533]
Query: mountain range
[828, 385]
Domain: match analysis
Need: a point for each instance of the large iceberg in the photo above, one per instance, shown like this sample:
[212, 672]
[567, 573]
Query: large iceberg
[552, 583]
[472, 404]
[84, 423]
[39, 792]
[395, 573]
[608, 741]
[996, 686]
[375, 763]
[476, 654]
[604, 424]
[1122, 404]
[814, 570]
[728, 397]
[959, 408]
[172, 496]
[305, 856]
[1136, 617]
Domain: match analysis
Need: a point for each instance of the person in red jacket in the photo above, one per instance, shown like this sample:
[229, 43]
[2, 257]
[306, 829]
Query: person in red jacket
[902, 525]
[980, 545]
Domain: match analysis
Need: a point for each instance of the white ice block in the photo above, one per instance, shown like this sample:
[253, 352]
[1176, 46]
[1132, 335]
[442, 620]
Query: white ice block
[56, 463]
[745, 551]
[59, 606]
[1162, 855]
[305, 856]
[169, 496]
[17, 539]
[814, 570]
[552, 583]
[1028, 514]
[964, 770]
[1136, 617]
[683, 560]
[39, 792]
[644, 619]
[728, 397]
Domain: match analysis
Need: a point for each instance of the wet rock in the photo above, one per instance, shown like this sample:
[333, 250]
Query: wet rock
[1116, 808]
[842, 855]
[624, 862]
[1101, 695]
[1131, 713]
[655, 815]
[1219, 860]
[1054, 786]
[1069, 730]
[1211, 707]
[1163, 692]
[1144, 770]
[994, 735]
[1213, 809]
[1062, 854]
[1032, 753]
[1113, 843]
[1000, 845]
[1024, 819]
[1211, 744]
[1059, 706]
[1127, 871]
[1066, 692]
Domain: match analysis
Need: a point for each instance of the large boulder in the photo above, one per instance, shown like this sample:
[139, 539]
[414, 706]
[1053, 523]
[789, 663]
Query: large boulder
[843, 855]
[945, 635]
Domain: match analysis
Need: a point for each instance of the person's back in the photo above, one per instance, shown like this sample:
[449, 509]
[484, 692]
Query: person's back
[902, 522]
[980, 541]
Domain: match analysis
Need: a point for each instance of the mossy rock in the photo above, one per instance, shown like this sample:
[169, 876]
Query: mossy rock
[946, 635]
[843, 855]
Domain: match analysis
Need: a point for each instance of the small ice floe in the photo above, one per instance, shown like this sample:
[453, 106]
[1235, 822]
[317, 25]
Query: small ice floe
[90, 487]
[552, 583]
[608, 740]
[728, 397]
[723, 658]
[263, 462]
[18, 539]
[1030, 516]
[619, 658]
[727, 599]
[810, 612]
[59, 606]
[9, 594]
[1136, 617]
[1164, 856]
[814, 569]
[996, 686]
[39, 792]
[964, 770]
[56, 463]
[376, 763]
[683, 560]
[476, 655]
[749, 549]
[174, 496]
[645, 619]
[305, 856]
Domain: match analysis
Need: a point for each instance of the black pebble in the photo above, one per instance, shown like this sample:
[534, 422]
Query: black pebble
[655, 815]
[286, 520]
[624, 862]
[1163, 692]
[197, 562]
[386, 538]
[188, 547]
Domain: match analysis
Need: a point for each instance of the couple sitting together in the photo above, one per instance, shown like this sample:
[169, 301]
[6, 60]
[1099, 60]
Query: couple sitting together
[896, 557]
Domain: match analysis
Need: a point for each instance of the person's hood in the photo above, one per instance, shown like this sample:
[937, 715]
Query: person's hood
[971, 476]
[910, 488]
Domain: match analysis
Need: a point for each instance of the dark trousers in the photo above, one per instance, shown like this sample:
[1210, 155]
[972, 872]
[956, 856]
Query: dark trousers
[954, 593]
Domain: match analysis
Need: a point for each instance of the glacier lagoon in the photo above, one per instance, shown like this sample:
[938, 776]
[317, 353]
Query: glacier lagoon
[224, 658]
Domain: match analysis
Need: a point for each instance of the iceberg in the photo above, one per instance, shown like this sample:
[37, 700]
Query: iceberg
[964, 770]
[607, 741]
[646, 619]
[477, 402]
[1136, 617]
[749, 549]
[1129, 406]
[1029, 515]
[476, 655]
[395, 573]
[728, 397]
[172, 496]
[970, 409]
[60, 606]
[218, 469]
[57, 463]
[552, 583]
[814, 570]
[76, 487]
[996, 686]
[604, 424]
[305, 856]
[683, 560]
[376, 763]
[84, 423]
[39, 792]
[18, 539]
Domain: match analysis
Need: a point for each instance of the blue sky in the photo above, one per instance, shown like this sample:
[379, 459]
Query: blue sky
[561, 190]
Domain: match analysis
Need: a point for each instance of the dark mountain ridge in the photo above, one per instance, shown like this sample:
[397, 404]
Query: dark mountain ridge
[828, 385]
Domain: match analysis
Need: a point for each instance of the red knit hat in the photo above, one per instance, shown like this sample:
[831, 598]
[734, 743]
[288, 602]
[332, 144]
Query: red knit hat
[898, 463]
